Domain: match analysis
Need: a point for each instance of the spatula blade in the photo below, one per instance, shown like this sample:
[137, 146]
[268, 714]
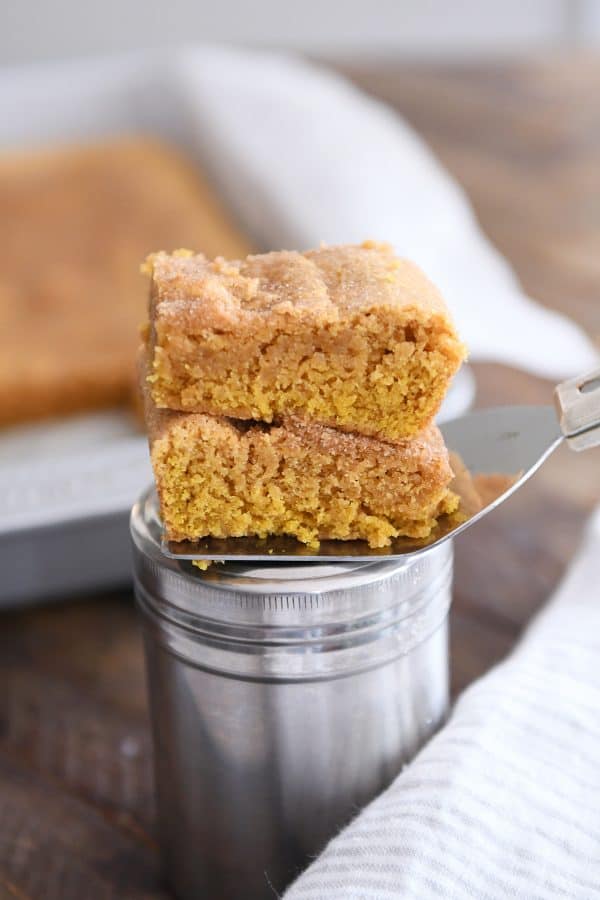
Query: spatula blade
[507, 439]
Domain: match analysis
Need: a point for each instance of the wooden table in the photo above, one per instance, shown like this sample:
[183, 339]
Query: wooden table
[76, 806]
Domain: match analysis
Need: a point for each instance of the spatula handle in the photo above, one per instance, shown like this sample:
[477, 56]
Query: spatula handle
[578, 405]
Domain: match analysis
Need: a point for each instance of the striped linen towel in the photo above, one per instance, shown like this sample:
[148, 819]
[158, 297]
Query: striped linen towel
[505, 801]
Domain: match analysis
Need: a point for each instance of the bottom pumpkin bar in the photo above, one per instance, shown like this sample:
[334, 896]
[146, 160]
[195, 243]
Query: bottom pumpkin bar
[226, 478]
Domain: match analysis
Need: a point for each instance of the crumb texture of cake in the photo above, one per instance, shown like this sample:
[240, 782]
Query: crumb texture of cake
[350, 337]
[222, 478]
[76, 220]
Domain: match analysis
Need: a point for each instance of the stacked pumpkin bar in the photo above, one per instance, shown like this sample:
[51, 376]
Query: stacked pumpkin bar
[294, 393]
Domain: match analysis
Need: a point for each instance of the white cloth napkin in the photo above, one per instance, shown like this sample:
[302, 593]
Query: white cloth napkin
[505, 800]
[302, 156]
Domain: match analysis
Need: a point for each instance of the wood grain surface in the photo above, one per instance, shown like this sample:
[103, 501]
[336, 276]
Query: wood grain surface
[76, 808]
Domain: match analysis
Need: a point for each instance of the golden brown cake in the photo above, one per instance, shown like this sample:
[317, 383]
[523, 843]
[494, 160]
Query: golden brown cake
[349, 337]
[228, 478]
[75, 223]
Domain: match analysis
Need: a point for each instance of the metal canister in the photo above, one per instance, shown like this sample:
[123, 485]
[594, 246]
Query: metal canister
[283, 698]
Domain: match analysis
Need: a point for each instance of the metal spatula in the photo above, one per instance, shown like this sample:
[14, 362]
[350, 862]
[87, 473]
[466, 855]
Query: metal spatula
[512, 440]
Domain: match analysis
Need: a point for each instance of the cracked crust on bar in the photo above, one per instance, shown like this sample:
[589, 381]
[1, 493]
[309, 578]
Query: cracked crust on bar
[350, 337]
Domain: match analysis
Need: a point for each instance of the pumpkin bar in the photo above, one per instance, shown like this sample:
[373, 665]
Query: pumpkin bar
[229, 478]
[76, 220]
[349, 337]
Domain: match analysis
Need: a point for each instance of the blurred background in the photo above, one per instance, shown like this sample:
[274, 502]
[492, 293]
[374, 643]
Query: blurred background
[344, 28]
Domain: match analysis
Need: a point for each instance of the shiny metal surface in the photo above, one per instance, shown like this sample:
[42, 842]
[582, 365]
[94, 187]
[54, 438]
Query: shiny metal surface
[283, 698]
[512, 440]
[578, 406]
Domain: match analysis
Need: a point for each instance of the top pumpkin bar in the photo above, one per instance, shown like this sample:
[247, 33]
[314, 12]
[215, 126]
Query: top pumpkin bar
[349, 337]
